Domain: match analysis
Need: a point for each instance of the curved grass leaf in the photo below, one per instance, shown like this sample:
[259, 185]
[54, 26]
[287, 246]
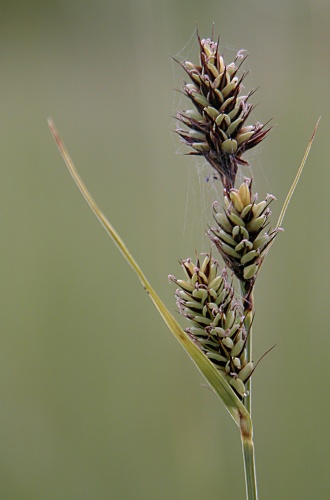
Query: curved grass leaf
[211, 374]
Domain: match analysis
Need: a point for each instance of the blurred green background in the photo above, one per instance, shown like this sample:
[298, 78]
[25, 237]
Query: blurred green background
[98, 401]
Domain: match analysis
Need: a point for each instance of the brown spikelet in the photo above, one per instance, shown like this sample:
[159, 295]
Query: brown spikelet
[216, 127]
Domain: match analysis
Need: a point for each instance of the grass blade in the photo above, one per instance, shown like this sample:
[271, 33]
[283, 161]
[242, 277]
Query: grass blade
[296, 179]
[211, 374]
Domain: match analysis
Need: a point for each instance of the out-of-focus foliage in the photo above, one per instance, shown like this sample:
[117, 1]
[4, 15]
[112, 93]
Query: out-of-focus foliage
[72, 311]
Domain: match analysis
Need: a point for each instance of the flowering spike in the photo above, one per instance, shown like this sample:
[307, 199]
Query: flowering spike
[217, 128]
[207, 300]
[240, 234]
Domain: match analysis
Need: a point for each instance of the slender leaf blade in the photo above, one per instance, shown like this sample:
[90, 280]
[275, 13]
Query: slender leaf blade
[208, 370]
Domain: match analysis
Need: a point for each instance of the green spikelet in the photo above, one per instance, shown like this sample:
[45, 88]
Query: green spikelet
[206, 299]
[240, 235]
[217, 126]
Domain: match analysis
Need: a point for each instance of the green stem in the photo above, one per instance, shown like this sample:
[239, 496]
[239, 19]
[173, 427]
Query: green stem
[248, 311]
[246, 424]
[248, 454]
[248, 398]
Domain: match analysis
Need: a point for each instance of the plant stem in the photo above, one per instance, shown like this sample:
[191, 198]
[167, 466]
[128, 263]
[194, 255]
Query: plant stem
[248, 455]
[246, 424]
[248, 311]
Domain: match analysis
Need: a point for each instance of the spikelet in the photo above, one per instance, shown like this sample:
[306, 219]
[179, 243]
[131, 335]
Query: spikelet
[240, 234]
[216, 127]
[207, 300]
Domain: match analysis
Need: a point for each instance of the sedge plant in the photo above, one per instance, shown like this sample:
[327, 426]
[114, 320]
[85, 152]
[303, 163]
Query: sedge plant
[218, 302]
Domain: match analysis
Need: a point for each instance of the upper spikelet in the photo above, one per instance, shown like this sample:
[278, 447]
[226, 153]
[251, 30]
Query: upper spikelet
[216, 127]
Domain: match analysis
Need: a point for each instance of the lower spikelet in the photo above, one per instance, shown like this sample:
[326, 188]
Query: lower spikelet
[206, 299]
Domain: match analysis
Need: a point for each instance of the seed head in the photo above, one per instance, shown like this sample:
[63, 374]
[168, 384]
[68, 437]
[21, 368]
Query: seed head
[206, 299]
[240, 234]
[216, 127]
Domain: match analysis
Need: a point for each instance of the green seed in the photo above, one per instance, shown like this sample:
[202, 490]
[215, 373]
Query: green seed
[237, 363]
[216, 82]
[250, 271]
[233, 330]
[230, 87]
[262, 239]
[231, 129]
[183, 295]
[200, 293]
[194, 279]
[260, 207]
[197, 331]
[185, 285]
[249, 256]
[217, 319]
[246, 210]
[244, 137]
[224, 136]
[197, 135]
[221, 297]
[230, 318]
[228, 342]
[256, 224]
[236, 199]
[212, 305]
[243, 357]
[202, 320]
[244, 244]
[219, 331]
[226, 104]
[215, 356]
[212, 112]
[212, 273]
[236, 219]
[200, 146]
[219, 95]
[234, 112]
[230, 251]
[189, 65]
[238, 385]
[196, 77]
[189, 267]
[239, 346]
[229, 146]
[194, 305]
[240, 231]
[226, 238]
[246, 372]
[200, 99]
[219, 119]
[203, 276]
[205, 263]
[215, 284]
[213, 70]
[223, 222]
